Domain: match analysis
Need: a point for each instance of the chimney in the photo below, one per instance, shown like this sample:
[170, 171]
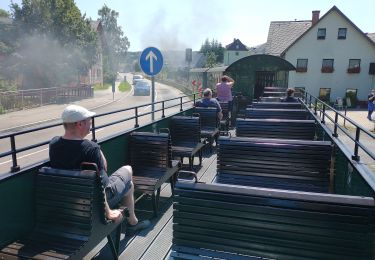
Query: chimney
[315, 17]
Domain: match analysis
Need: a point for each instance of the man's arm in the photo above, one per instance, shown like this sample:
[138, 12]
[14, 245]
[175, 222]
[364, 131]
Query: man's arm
[231, 81]
[104, 161]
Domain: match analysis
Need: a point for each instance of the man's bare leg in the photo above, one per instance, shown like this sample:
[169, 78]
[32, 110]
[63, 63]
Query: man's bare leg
[128, 200]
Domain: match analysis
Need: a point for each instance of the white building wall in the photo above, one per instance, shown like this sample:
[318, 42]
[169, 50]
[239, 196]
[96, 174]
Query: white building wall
[355, 46]
[230, 56]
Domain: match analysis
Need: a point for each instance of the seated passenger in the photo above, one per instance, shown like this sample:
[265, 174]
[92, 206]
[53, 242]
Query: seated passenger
[289, 96]
[71, 149]
[208, 101]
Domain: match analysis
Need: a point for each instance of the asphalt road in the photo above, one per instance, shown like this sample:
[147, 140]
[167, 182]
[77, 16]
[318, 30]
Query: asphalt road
[102, 102]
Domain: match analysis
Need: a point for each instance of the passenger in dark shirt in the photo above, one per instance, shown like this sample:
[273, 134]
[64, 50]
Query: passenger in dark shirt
[208, 101]
[71, 149]
[289, 96]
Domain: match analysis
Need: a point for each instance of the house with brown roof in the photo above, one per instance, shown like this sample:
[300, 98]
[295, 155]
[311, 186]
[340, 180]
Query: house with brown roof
[333, 58]
[235, 51]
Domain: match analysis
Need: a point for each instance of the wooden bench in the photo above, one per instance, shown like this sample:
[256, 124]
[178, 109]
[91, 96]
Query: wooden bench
[274, 163]
[225, 121]
[209, 123]
[277, 105]
[69, 218]
[231, 222]
[151, 159]
[260, 113]
[276, 128]
[186, 138]
[270, 99]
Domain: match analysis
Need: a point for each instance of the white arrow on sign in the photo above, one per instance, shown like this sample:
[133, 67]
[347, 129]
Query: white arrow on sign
[151, 56]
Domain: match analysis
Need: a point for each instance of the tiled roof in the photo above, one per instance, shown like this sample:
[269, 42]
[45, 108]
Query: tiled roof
[283, 33]
[236, 45]
[371, 36]
[259, 49]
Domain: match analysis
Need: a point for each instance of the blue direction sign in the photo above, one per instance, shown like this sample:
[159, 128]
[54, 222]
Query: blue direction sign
[151, 61]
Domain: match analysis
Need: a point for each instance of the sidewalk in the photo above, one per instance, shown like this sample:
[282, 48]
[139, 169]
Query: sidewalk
[16, 120]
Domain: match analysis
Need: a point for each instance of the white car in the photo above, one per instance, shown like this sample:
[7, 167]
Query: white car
[137, 78]
[142, 87]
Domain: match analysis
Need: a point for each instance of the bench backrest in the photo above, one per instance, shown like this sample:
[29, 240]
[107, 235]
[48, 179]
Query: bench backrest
[150, 150]
[277, 163]
[69, 204]
[276, 128]
[185, 130]
[273, 223]
[208, 117]
[297, 114]
[278, 105]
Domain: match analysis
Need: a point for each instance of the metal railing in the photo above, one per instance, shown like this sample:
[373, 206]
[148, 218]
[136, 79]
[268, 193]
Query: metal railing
[20, 99]
[12, 136]
[320, 109]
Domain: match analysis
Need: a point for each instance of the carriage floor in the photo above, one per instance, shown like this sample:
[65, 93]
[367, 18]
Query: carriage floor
[155, 242]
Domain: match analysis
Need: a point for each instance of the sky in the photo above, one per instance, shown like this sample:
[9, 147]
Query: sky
[181, 24]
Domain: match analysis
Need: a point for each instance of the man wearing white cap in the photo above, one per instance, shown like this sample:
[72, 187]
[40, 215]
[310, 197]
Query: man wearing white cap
[71, 149]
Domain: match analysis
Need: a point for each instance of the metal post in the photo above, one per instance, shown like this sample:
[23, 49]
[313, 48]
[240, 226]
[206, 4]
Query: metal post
[305, 97]
[336, 122]
[194, 99]
[162, 109]
[152, 98]
[181, 104]
[323, 114]
[22, 99]
[316, 106]
[136, 118]
[356, 156]
[15, 167]
[310, 102]
[93, 129]
[41, 97]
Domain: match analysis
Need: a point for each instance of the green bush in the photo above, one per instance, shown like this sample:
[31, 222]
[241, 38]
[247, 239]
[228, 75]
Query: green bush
[124, 86]
[99, 86]
[2, 111]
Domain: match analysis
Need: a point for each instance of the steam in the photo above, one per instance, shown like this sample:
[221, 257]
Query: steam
[43, 63]
[197, 18]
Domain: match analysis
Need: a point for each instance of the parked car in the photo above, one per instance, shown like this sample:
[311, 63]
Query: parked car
[137, 78]
[142, 87]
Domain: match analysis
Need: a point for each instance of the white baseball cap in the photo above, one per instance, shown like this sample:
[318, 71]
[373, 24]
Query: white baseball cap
[74, 113]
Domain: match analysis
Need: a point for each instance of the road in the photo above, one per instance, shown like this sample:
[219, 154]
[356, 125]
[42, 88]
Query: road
[103, 102]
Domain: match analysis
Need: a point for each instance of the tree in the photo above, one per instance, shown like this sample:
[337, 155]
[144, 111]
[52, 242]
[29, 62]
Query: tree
[62, 37]
[211, 59]
[115, 43]
[4, 13]
[213, 47]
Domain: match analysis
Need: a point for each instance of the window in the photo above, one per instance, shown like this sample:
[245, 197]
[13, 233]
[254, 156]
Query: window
[301, 65]
[321, 33]
[325, 94]
[327, 66]
[354, 66]
[341, 33]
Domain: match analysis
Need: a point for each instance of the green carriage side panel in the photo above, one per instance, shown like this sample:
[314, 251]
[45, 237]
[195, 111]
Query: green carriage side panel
[348, 180]
[16, 204]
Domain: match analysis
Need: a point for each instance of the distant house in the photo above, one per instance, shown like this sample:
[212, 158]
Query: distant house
[95, 73]
[332, 58]
[235, 51]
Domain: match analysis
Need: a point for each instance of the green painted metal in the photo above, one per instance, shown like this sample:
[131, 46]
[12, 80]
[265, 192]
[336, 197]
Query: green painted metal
[244, 71]
[16, 204]
[348, 180]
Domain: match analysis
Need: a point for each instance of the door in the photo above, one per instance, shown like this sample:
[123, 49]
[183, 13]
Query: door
[263, 79]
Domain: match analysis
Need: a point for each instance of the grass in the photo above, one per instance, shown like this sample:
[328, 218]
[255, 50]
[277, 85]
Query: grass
[124, 86]
[101, 87]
